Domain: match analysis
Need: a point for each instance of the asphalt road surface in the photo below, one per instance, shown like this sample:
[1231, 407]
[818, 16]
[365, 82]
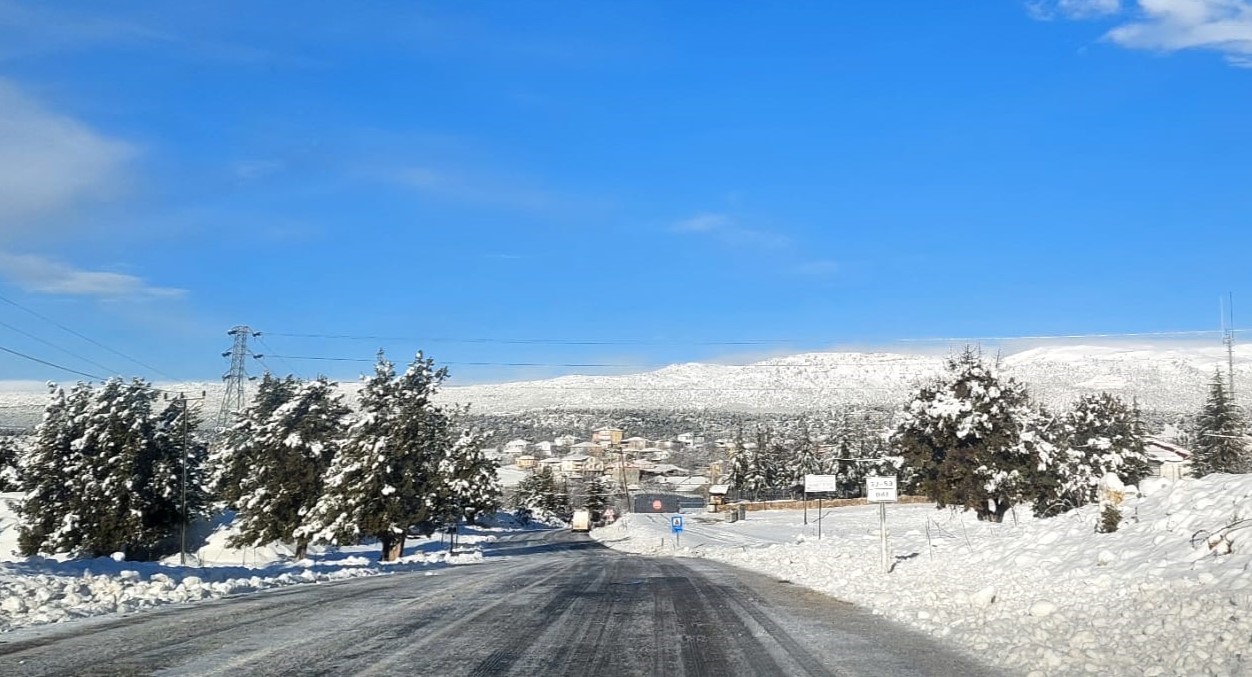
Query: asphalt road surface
[542, 603]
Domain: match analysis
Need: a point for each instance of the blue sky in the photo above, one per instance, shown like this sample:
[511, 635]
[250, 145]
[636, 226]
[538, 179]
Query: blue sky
[664, 180]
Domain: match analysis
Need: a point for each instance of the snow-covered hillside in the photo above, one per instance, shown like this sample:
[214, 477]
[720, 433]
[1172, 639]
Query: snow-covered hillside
[1169, 379]
[1168, 593]
[1166, 379]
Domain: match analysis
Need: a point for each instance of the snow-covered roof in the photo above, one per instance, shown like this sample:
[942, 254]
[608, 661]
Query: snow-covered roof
[575, 457]
[719, 489]
[585, 445]
[1165, 452]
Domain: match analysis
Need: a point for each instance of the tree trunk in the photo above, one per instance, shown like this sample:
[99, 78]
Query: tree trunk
[302, 548]
[393, 546]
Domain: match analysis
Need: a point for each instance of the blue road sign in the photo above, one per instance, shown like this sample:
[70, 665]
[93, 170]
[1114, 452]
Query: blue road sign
[676, 523]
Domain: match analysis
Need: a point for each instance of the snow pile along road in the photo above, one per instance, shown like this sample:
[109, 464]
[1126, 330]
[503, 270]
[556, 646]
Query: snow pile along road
[39, 590]
[1169, 593]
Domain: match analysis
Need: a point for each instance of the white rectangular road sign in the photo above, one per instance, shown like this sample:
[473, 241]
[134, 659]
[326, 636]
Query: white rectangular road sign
[818, 483]
[880, 489]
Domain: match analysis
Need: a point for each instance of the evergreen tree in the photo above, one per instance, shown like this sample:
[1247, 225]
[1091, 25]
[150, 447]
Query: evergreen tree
[385, 479]
[597, 498]
[160, 479]
[1100, 435]
[8, 464]
[231, 462]
[538, 492]
[47, 507]
[1220, 444]
[972, 439]
[470, 479]
[97, 480]
[740, 460]
[806, 459]
[291, 450]
[758, 471]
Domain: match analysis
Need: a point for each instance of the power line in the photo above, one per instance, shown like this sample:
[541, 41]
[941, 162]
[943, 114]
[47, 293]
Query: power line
[742, 342]
[753, 365]
[50, 364]
[55, 346]
[533, 341]
[86, 338]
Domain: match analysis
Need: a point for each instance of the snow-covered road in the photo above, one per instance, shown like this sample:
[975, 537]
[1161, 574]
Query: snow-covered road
[540, 603]
[1169, 593]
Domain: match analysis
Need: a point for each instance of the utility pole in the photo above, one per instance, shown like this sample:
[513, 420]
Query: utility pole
[233, 400]
[186, 518]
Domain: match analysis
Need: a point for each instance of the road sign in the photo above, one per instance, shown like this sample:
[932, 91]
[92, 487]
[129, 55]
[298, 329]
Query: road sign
[818, 483]
[880, 489]
[676, 523]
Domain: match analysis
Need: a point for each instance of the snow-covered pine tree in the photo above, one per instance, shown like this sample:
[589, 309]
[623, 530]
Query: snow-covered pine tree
[597, 498]
[159, 479]
[806, 458]
[8, 464]
[470, 480]
[47, 504]
[972, 438]
[1100, 435]
[384, 481]
[739, 461]
[291, 451]
[538, 492]
[1219, 442]
[759, 471]
[230, 463]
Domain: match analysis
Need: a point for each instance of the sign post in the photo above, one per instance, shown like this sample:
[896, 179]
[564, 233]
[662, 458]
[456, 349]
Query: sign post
[881, 490]
[676, 525]
[818, 484]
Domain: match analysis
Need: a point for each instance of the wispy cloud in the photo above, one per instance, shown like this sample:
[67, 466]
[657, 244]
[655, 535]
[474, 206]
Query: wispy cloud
[50, 162]
[1223, 26]
[1046, 10]
[728, 231]
[47, 276]
[476, 188]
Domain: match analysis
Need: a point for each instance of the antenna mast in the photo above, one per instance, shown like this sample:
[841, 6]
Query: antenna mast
[1228, 337]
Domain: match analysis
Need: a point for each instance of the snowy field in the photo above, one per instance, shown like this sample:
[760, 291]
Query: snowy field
[1170, 593]
[39, 590]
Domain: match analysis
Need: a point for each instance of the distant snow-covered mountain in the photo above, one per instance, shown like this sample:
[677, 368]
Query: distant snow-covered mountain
[1167, 379]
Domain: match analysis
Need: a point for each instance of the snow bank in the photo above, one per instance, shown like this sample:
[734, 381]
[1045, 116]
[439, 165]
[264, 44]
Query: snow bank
[39, 590]
[1169, 593]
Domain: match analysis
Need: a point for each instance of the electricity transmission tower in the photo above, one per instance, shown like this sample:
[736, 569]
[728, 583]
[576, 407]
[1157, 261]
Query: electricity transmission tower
[233, 400]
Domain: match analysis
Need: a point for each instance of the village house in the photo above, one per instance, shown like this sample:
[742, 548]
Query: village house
[588, 448]
[635, 443]
[527, 461]
[1167, 460]
[607, 436]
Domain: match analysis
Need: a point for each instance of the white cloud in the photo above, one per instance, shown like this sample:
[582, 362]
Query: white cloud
[1223, 26]
[480, 188]
[1171, 25]
[702, 223]
[728, 231]
[1072, 9]
[50, 163]
[822, 268]
[43, 275]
